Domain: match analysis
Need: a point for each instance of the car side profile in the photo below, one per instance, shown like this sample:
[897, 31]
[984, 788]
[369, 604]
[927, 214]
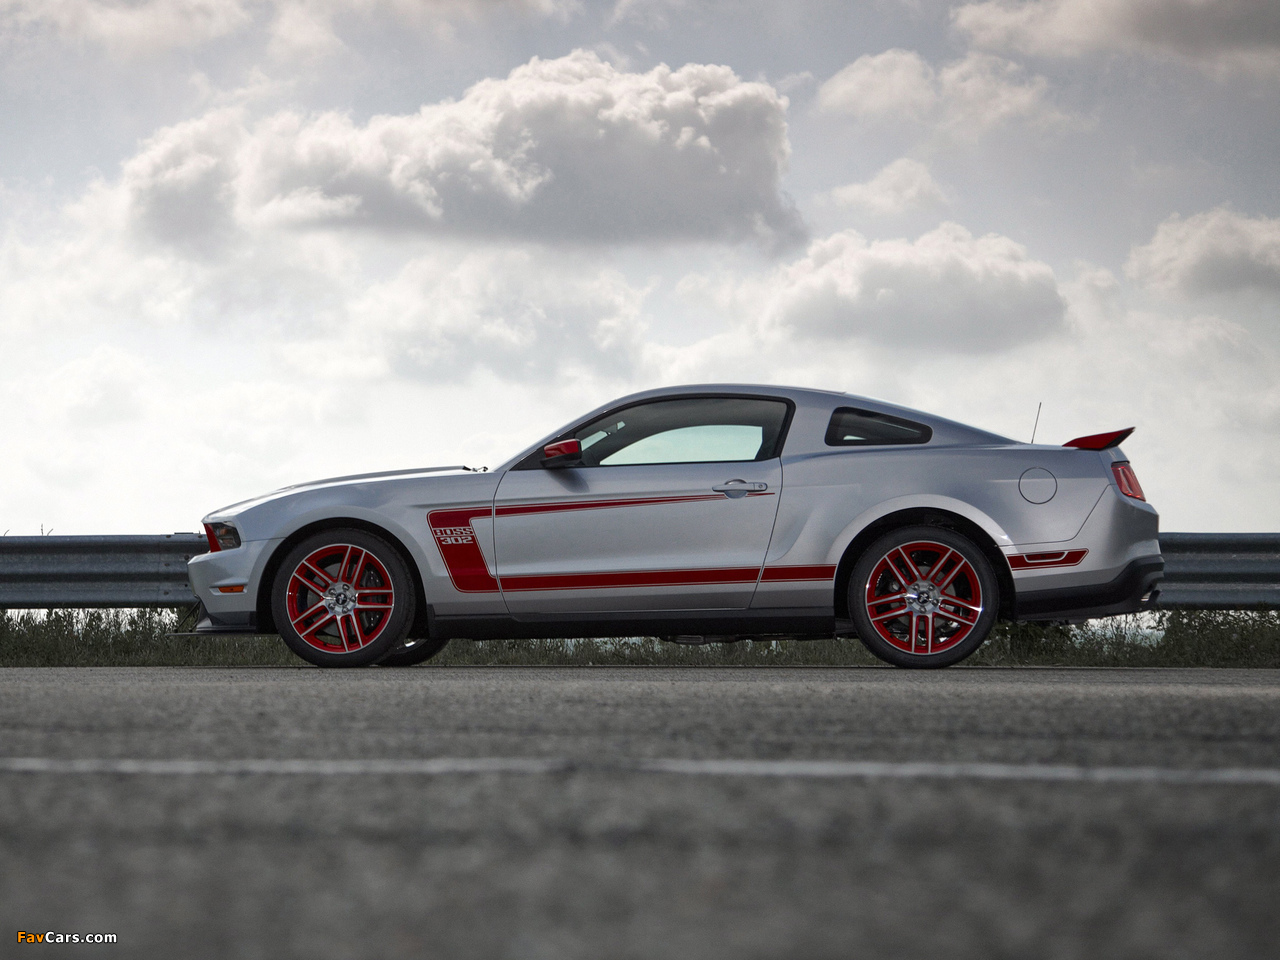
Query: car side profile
[713, 512]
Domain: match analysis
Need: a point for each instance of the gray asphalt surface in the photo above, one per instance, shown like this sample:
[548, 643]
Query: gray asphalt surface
[607, 861]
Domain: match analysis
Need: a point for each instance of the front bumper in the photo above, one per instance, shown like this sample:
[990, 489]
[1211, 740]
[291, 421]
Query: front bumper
[227, 623]
[1132, 591]
[242, 567]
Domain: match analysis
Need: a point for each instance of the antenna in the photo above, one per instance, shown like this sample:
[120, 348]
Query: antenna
[1037, 426]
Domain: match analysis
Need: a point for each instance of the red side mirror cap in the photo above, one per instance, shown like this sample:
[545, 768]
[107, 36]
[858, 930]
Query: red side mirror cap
[563, 450]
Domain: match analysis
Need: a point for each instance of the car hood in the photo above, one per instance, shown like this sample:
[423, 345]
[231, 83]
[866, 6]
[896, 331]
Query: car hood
[235, 509]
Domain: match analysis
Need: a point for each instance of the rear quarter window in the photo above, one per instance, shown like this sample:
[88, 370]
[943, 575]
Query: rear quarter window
[852, 427]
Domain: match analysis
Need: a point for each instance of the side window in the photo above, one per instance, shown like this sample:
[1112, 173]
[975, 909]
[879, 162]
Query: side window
[694, 430]
[851, 427]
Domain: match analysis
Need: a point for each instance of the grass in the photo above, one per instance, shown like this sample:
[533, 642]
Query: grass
[1175, 638]
[123, 638]
[1230, 638]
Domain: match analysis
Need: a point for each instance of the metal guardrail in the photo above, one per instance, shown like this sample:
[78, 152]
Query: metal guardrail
[97, 571]
[1220, 571]
[1205, 571]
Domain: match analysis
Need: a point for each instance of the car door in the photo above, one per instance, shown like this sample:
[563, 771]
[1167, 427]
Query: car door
[670, 506]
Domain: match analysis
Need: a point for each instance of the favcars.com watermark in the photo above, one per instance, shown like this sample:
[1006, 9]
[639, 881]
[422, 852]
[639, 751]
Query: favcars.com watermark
[52, 936]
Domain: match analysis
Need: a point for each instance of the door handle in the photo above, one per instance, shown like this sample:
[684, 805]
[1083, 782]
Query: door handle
[739, 488]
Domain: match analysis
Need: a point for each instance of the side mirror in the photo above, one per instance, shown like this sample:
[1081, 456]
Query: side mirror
[566, 453]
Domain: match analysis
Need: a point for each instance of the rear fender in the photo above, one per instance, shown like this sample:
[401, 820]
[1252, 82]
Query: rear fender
[912, 503]
[989, 536]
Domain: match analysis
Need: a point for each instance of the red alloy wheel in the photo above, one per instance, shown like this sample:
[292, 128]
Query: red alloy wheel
[923, 597]
[340, 598]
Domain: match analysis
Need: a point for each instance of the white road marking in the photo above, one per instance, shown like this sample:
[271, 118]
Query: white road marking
[322, 768]
[923, 770]
[805, 769]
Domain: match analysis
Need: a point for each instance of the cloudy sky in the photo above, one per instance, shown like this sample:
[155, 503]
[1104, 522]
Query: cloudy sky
[245, 243]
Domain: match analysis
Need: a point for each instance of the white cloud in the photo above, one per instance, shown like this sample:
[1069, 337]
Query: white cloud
[1209, 421]
[653, 14]
[180, 188]
[227, 230]
[291, 360]
[1218, 251]
[205, 380]
[1221, 34]
[948, 291]
[561, 150]
[794, 82]
[128, 27]
[523, 315]
[902, 186]
[303, 31]
[254, 296]
[313, 28]
[967, 97]
[982, 91]
[876, 85]
[316, 306]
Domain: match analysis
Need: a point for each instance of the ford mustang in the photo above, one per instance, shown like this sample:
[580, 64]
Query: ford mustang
[696, 513]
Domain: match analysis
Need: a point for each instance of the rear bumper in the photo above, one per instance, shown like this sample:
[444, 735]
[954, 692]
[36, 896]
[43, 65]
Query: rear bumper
[1132, 591]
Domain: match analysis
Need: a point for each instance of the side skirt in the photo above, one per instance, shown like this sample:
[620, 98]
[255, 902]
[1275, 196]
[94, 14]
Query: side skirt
[802, 622]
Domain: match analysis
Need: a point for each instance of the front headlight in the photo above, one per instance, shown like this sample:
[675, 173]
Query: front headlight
[221, 536]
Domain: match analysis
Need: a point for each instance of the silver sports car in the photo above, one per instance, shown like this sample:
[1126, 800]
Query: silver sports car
[700, 512]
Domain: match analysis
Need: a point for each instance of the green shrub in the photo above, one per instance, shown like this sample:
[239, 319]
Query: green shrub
[123, 638]
[1208, 638]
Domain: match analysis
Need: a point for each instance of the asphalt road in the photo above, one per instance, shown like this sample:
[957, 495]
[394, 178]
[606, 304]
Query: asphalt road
[303, 813]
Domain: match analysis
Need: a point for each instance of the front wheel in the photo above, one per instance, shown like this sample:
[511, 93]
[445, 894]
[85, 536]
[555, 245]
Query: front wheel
[414, 652]
[923, 597]
[343, 598]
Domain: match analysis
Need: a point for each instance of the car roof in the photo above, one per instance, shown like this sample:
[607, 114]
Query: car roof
[813, 411]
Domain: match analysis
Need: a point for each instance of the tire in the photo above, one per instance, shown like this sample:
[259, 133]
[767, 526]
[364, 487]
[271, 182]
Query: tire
[343, 598]
[923, 597]
[413, 652]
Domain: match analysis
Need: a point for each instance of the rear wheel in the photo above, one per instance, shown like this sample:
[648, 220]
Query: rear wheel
[923, 597]
[343, 598]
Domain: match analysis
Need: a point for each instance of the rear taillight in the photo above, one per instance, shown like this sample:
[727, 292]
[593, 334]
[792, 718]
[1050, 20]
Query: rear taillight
[221, 536]
[1127, 480]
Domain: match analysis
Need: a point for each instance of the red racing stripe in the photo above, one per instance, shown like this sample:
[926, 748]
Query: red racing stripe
[791, 573]
[518, 509]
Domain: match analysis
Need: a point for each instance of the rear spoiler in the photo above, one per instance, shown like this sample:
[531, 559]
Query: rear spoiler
[1100, 441]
